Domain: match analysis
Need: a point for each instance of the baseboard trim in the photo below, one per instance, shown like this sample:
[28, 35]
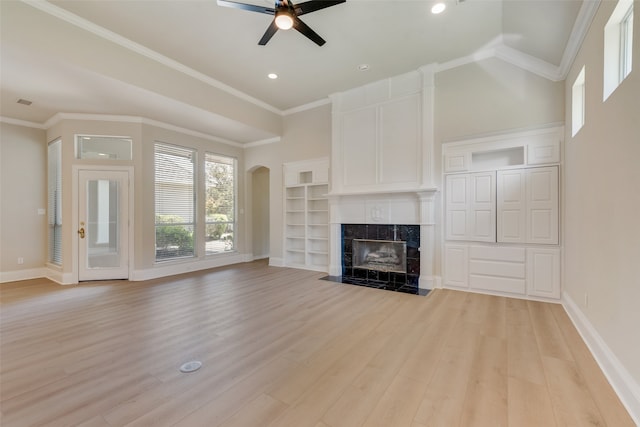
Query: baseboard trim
[163, 270]
[16, 275]
[618, 376]
[276, 262]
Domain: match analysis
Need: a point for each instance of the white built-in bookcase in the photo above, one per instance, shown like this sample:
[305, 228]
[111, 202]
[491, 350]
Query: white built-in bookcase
[306, 208]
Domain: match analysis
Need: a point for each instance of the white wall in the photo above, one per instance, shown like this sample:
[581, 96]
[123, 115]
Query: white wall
[307, 135]
[602, 202]
[23, 176]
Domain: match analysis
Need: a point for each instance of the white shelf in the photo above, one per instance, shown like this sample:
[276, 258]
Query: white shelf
[306, 209]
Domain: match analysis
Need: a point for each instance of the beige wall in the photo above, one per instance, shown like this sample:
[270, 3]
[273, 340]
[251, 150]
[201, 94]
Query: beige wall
[260, 212]
[23, 172]
[602, 200]
[307, 135]
[492, 95]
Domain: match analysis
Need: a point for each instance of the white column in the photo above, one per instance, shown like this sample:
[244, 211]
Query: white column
[335, 237]
[427, 212]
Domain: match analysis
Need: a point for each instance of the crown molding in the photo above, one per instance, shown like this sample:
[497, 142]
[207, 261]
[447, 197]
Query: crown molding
[86, 25]
[305, 107]
[24, 123]
[528, 62]
[58, 117]
[262, 142]
[578, 33]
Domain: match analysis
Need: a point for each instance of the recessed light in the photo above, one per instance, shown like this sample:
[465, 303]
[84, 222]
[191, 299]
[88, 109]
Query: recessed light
[438, 8]
[363, 67]
[272, 76]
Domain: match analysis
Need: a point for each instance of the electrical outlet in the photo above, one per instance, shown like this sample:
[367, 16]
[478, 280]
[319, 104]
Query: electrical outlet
[20, 260]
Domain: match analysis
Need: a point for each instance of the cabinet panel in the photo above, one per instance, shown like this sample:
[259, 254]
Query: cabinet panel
[541, 152]
[470, 207]
[457, 207]
[457, 162]
[511, 206]
[542, 205]
[497, 284]
[456, 266]
[543, 272]
[483, 207]
[400, 141]
[359, 147]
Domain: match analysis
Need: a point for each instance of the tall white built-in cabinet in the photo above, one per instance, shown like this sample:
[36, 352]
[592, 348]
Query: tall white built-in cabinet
[502, 214]
[306, 208]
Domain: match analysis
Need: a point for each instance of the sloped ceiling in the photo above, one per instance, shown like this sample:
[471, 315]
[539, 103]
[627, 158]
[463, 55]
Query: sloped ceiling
[197, 65]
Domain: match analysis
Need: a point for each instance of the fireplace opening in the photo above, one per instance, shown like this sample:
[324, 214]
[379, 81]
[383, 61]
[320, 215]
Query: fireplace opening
[380, 255]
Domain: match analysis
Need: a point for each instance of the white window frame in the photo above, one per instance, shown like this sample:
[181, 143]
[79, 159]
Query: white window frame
[618, 47]
[228, 242]
[578, 103]
[163, 250]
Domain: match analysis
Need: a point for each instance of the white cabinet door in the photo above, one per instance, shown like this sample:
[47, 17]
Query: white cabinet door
[457, 206]
[471, 207]
[456, 269]
[543, 272]
[542, 205]
[482, 209]
[511, 206]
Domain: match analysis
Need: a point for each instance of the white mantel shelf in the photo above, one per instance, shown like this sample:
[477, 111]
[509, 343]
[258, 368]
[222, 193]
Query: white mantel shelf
[417, 191]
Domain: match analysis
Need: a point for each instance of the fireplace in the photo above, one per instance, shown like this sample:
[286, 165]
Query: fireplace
[380, 255]
[383, 256]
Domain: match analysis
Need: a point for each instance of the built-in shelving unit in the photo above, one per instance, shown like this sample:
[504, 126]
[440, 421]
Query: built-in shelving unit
[306, 234]
[501, 214]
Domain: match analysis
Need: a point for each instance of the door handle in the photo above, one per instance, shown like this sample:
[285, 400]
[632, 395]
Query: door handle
[81, 232]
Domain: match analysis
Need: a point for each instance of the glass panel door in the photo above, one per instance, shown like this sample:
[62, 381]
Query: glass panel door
[102, 232]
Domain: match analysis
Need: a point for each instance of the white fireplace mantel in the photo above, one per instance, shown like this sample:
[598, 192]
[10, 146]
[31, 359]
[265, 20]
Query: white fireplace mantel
[412, 207]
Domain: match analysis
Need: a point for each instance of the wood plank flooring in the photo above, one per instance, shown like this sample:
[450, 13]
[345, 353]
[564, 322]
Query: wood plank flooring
[282, 348]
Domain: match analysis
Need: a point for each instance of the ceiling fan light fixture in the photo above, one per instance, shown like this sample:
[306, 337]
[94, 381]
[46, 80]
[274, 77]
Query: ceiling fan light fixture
[283, 20]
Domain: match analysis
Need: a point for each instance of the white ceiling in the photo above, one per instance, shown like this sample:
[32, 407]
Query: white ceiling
[148, 58]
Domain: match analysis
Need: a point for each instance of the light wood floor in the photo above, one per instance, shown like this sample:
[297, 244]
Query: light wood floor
[281, 348]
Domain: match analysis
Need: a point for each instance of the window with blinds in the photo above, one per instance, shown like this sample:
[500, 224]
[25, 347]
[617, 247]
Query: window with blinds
[220, 205]
[54, 202]
[174, 201]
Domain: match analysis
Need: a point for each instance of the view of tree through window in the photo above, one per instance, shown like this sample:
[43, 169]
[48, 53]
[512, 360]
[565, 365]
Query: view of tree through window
[219, 203]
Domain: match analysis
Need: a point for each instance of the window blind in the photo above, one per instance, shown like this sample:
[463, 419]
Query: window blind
[174, 201]
[54, 202]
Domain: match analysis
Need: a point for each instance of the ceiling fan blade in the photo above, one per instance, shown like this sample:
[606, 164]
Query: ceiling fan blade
[307, 31]
[271, 30]
[313, 5]
[249, 7]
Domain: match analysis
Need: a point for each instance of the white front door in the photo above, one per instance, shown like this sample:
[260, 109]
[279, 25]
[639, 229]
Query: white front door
[103, 225]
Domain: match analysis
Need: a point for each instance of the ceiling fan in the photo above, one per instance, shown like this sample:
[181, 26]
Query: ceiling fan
[286, 16]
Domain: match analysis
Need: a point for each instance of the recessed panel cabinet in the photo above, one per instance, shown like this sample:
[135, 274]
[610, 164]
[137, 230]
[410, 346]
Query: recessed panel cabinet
[527, 205]
[471, 207]
[507, 206]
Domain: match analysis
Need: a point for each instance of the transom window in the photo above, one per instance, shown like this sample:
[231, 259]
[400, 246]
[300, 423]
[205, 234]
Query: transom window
[618, 46]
